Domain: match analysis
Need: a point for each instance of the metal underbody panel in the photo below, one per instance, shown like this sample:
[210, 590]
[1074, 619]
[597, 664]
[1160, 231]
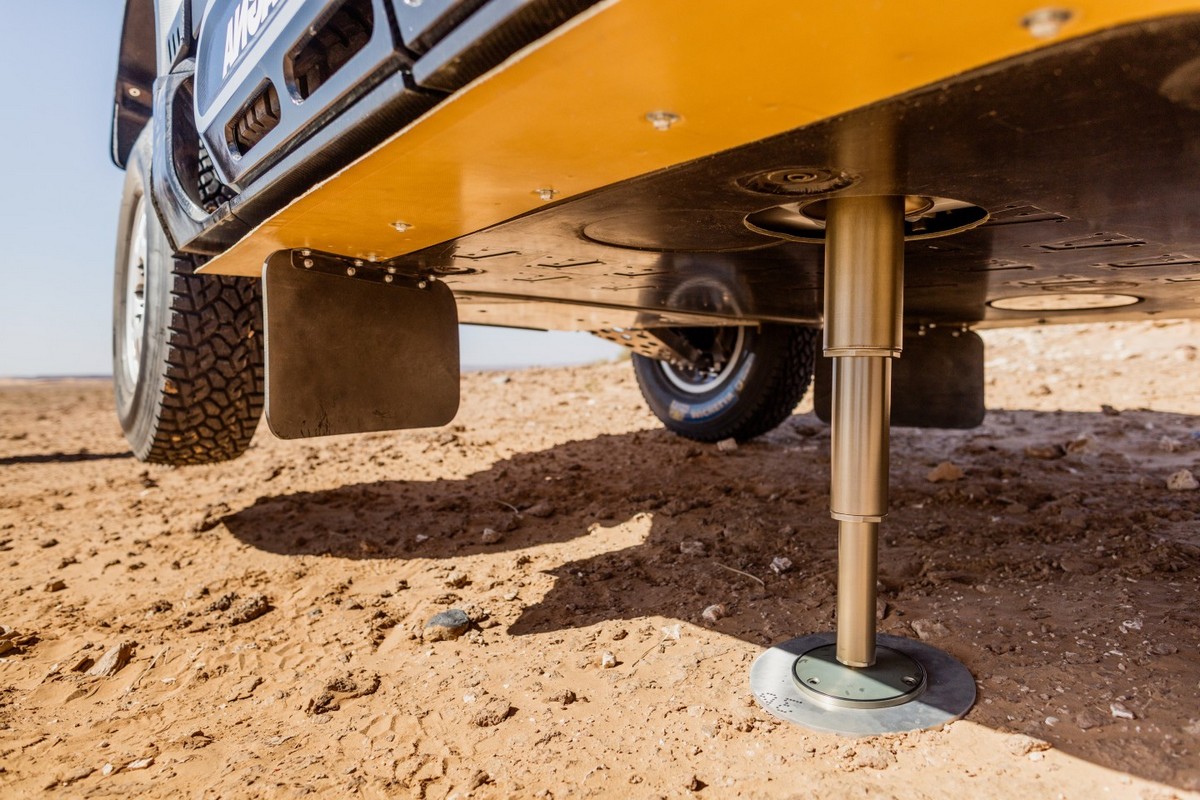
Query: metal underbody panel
[1083, 153]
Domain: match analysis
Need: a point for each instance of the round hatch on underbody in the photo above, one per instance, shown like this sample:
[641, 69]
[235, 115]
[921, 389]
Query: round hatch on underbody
[1069, 301]
[924, 218]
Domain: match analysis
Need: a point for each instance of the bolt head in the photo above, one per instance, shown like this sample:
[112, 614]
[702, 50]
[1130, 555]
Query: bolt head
[135, 91]
[351, 271]
[545, 194]
[308, 263]
[662, 120]
[423, 284]
[1046, 23]
[401, 227]
[388, 279]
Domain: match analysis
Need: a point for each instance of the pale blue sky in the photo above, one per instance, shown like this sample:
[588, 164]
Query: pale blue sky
[59, 193]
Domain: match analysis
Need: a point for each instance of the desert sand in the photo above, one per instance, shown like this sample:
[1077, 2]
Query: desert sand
[258, 628]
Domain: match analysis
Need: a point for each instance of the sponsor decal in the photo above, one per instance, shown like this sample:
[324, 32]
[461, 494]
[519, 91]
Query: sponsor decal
[249, 17]
[699, 413]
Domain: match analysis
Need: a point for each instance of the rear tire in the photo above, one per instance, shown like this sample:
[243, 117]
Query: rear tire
[765, 373]
[187, 348]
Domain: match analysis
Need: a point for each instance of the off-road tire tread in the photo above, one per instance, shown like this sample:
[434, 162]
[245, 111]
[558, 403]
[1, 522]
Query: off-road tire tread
[212, 381]
[213, 193]
[788, 378]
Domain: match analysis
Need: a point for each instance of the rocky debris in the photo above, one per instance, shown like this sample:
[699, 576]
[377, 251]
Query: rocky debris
[457, 580]
[196, 740]
[491, 536]
[1078, 565]
[540, 510]
[13, 643]
[1022, 745]
[249, 609]
[691, 547]
[51, 542]
[1046, 452]
[480, 778]
[945, 472]
[69, 778]
[929, 629]
[695, 784]
[865, 756]
[1109, 411]
[565, 697]
[141, 763]
[713, 613]
[244, 688]
[494, 711]
[113, 660]
[780, 565]
[1185, 352]
[607, 660]
[1119, 711]
[1183, 481]
[727, 445]
[56, 585]
[222, 603]
[446, 625]
[1169, 444]
[672, 632]
[212, 517]
[359, 683]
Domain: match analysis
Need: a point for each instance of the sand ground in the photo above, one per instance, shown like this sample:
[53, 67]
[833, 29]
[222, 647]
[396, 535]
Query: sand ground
[271, 610]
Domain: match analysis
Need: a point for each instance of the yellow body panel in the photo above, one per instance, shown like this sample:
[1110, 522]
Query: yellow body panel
[568, 114]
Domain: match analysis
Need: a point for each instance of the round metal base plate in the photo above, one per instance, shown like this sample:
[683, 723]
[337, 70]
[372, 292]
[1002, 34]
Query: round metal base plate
[949, 690]
[894, 679]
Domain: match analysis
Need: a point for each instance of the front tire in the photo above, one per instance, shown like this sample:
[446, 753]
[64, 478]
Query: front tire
[764, 372]
[187, 348]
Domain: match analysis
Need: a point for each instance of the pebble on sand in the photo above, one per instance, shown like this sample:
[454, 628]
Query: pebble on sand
[112, 661]
[56, 585]
[727, 445]
[446, 625]
[945, 471]
[713, 613]
[607, 660]
[491, 536]
[1183, 481]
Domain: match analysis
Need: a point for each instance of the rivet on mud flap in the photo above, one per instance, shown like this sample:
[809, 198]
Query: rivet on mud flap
[353, 347]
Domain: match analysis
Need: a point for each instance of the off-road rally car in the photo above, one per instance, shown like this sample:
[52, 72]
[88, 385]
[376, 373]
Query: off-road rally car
[319, 192]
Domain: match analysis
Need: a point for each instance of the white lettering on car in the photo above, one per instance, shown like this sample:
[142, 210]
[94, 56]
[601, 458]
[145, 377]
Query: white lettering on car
[243, 26]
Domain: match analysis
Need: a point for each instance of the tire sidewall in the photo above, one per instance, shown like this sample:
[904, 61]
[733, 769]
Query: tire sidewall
[138, 401]
[704, 414]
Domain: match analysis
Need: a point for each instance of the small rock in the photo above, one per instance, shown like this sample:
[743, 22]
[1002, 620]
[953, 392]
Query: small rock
[692, 548]
[56, 585]
[944, 471]
[1078, 565]
[1183, 481]
[1086, 720]
[1109, 411]
[1047, 452]
[1081, 445]
[929, 629]
[780, 565]
[457, 580]
[491, 536]
[51, 542]
[727, 445]
[1022, 745]
[446, 625]
[1043, 390]
[112, 661]
[1120, 711]
[540, 510]
[141, 763]
[713, 613]
[495, 711]
[480, 778]
[107, 769]
[1169, 444]
[500, 380]
[607, 660]
[249, 609]
[244, 688]
[346, 687]
[1185, 352]
[1163, 649]
[695, 784]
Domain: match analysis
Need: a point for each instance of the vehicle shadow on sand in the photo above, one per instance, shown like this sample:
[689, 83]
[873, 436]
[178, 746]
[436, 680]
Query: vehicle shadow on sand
[1064, 580]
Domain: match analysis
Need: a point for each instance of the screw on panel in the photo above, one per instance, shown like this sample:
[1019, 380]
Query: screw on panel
[306, 252]
[401, 227]
[135, 91]
[662, 120]
[388, 279]
[422, 284]
[1046, 23]
[391, 270]
[351, 271]
[308, 263]
[545, 193]
[358, 262]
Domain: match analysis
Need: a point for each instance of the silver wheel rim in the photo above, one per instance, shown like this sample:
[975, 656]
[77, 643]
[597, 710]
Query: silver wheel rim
[135, 294]
[693, 381]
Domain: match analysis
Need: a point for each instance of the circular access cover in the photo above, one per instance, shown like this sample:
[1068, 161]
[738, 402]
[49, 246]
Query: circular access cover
[924, 218]
[1069, 301]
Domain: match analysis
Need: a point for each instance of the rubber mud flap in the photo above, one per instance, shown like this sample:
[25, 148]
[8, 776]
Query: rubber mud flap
[374, 352]
[937, 383]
